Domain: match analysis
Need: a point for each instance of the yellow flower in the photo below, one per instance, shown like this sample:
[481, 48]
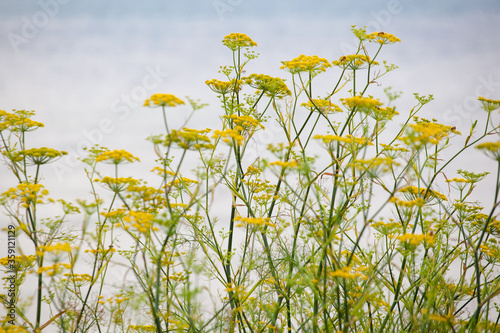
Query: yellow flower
[235, 41]
[322, 105]
[348, 139]
[361, 102]
[18, 121]
[231, 135]
[54, 269]
[224, 87]
[54, 248]
[345, 272]
[491, 149]
[37, 156]
[141, 221]
[27, 194]
[117, 184]
[412, 193]
[354, 61]
[288, 164]
[424, 131]
[257, 221]
[116, 157]
[163, 100]
[442, 318]
[489, 104]
[302, 63]
[271, 86]
[382, 38]
[415, 239]
[187, 138]
[246, 122]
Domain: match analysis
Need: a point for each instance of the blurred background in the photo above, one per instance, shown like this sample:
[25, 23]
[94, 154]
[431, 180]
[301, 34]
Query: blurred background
[86, 67]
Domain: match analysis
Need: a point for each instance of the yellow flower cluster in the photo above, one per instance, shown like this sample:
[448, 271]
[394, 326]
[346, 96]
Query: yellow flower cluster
[53, 248]
[163, 100]
[375, 164]
[387, 228]
[489, 104]
[256, 221]
[416, 239]
[348, 139]
[424, 131]
[117, 184]
[382, 38]
[181, 183]
[246, 122]
[354, 61]
[235, 41]
[322, 105]
[38, 156]
[418, 202]
[360, 102]
[18, 121]
[412, 193]
[115, 214]
[491, 149]
[187, 138]
[21, 263]
[77, 279]
[54, 269]
[224, 87]
[116, 157]
[345, 272]
[141, 221]
[13, 329]
[303, 63]
[288, 164]
[271, 86]
[229, 135]
[27, 194]
[142, 328]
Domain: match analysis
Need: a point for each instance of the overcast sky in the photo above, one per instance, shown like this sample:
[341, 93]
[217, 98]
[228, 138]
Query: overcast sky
[86, 66]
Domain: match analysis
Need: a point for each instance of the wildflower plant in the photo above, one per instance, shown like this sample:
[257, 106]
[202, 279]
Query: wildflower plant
[347, 222]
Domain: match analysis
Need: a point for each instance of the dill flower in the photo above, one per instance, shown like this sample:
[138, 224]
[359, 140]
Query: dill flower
[163, 100]
[382, 38]
[423, 132]
[18, 121]
[37, 156]
[415, 239]
[256, 221]
[224, 87]
[345, 272]
[21, 263]
[288, 164]
[117, 184]
[322, 105]
[230, 135]
[311, 64]
[235, 41]
[491, 149]
[354, 62]
[489, 104]
[459, 183]
[54, 269]
[271, 86]
[27, 194]
[412, 193]
[360, 102]
[348, 139]
[246, 122]
[186, 138]
[54, 248]
[141, 221]
[116, 157]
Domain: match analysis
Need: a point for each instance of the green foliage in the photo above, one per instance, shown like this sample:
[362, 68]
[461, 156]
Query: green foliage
[328, 227]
